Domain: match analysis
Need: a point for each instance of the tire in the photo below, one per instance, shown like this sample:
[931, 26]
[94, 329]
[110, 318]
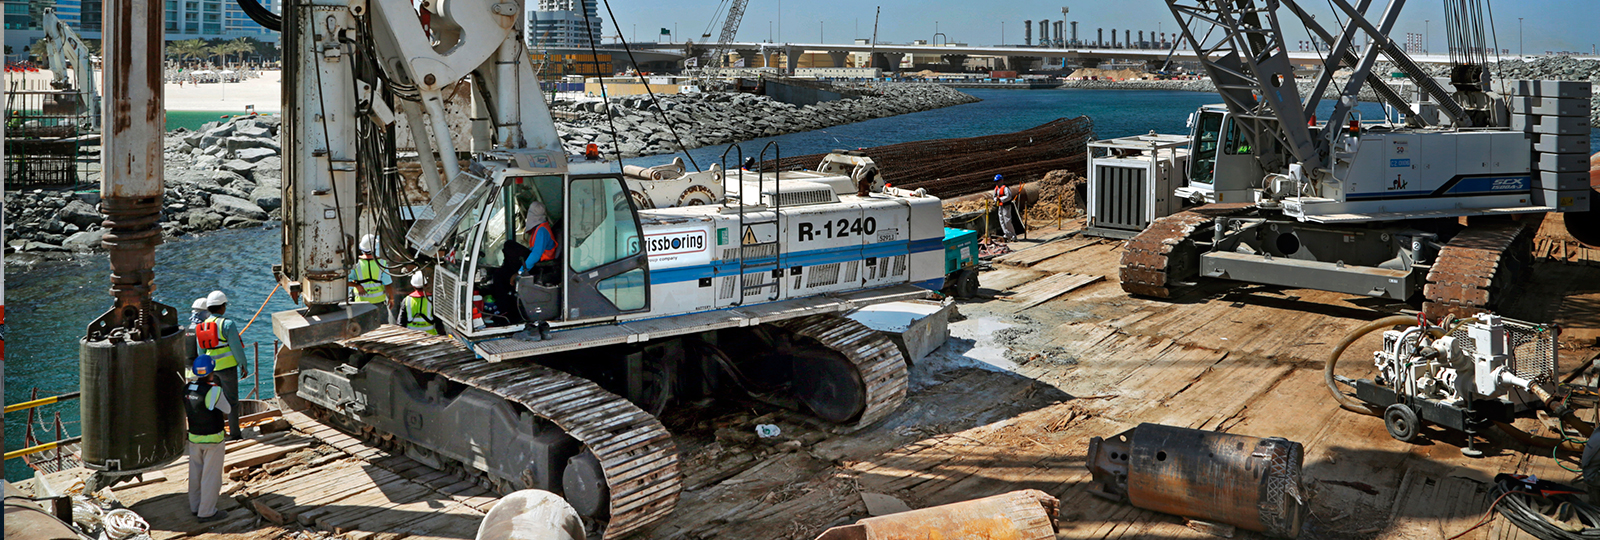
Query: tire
[1402, 422]
[967, 283]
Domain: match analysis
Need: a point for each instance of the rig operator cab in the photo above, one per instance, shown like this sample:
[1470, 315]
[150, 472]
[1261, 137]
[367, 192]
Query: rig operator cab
[599, 273]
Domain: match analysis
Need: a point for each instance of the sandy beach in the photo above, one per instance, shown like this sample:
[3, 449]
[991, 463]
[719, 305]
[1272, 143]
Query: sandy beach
[263, 92]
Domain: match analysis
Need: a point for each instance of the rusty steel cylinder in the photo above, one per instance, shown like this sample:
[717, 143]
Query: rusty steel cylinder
[1019, 515]
[1248, 482]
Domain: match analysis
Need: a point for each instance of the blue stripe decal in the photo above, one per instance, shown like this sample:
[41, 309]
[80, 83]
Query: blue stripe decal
[802, 258]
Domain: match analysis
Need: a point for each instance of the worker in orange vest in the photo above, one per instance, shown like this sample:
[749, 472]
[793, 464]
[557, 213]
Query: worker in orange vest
[541, 238]
[1004, 196]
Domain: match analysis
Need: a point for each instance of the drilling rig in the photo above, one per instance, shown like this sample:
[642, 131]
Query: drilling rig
[553, 379]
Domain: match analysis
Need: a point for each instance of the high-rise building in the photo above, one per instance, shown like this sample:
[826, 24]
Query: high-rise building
[184, 19]
[563, 24]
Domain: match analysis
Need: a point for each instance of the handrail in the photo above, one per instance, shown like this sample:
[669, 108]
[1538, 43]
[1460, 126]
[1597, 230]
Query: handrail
[41, 402]
[42, 447]
[777, 206]
[739, 231]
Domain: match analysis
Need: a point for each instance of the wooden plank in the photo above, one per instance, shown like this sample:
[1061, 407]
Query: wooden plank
[1003, 279]
[1034, 255]
[1049, 288]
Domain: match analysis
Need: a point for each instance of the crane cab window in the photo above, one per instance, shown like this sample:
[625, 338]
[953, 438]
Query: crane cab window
[1207, 133]
[1235, 143]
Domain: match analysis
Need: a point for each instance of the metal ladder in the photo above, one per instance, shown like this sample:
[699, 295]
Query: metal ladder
[775, 266]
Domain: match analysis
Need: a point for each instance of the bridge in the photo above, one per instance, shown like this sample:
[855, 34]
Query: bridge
[885, 55]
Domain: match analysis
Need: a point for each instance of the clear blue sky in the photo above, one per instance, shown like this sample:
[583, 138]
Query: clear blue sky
[1560, 25]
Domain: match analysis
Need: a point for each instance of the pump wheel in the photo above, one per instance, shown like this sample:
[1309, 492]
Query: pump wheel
[1402, 422]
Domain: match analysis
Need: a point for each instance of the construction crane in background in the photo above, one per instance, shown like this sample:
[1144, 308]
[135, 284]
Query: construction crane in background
[63, 45]
[730, 28]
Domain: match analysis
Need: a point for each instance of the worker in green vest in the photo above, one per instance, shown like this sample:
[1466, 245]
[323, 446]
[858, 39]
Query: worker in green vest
[416, 311]
[369, 282]
[218, 337]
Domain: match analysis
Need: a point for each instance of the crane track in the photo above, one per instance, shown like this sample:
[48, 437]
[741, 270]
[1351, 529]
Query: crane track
[878, 360]
[635, 451]
[1153, 261]
[1477, 268]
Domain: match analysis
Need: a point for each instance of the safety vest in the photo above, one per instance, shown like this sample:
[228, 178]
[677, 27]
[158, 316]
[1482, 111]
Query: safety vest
[999, 192]
[550, 253]
[222, 354]
[418, 310]
[205, 423]
[369, 282]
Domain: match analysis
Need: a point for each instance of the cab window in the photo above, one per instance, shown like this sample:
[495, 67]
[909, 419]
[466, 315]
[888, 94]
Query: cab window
[1235, 143]
[601, 227]
[460, 243]
[508, 216]
[1206, 134]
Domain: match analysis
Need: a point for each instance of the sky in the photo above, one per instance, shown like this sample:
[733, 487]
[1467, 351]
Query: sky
[1547, 25]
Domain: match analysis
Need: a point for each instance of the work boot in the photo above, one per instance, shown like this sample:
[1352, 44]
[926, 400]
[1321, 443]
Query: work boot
[544, 331]
[219, 515]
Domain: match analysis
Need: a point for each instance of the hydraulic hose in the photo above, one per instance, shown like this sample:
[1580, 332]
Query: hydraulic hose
[1346, 402]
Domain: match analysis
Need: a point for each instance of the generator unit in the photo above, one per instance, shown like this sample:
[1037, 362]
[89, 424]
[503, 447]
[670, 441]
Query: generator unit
[1131, 182]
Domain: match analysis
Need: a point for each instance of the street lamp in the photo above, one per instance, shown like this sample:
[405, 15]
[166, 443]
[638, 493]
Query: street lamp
[1520, 50]
[820, 39]
[1002, 33]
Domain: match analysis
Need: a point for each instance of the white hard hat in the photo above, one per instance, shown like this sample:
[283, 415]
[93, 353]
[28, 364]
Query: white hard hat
[418, 280]
[216, 298]
[369, 243]
[199, 304]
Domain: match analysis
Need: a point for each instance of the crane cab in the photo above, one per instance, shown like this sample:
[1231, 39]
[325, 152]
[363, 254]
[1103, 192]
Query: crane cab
[590, 265]
[1222, 165]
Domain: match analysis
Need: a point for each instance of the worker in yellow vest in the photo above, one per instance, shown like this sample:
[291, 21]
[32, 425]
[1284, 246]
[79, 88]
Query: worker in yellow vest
[416, 311]
[369, 282]
[218, 337]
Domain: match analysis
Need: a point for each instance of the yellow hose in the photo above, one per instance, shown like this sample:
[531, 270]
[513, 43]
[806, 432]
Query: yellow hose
[1346, 402]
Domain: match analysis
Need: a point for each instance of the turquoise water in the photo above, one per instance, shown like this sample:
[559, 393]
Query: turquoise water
[50, 306]
[192, 120]
[48, 309]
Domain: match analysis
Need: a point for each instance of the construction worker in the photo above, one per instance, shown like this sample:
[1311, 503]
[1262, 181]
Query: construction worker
[416, 311]
[368, 281]
[541, 238]
[1004, 196]
[205, 407]
[218, 337]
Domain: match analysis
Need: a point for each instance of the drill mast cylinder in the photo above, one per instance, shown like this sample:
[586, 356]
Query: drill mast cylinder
[131, 358]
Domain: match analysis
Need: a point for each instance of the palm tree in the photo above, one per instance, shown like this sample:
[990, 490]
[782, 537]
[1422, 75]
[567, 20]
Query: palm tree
[187, 49]
[239, 46]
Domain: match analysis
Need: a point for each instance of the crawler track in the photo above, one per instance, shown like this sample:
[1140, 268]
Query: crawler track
[1476, 269]
[1164, 253]
[635, 451]
[878, 360]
